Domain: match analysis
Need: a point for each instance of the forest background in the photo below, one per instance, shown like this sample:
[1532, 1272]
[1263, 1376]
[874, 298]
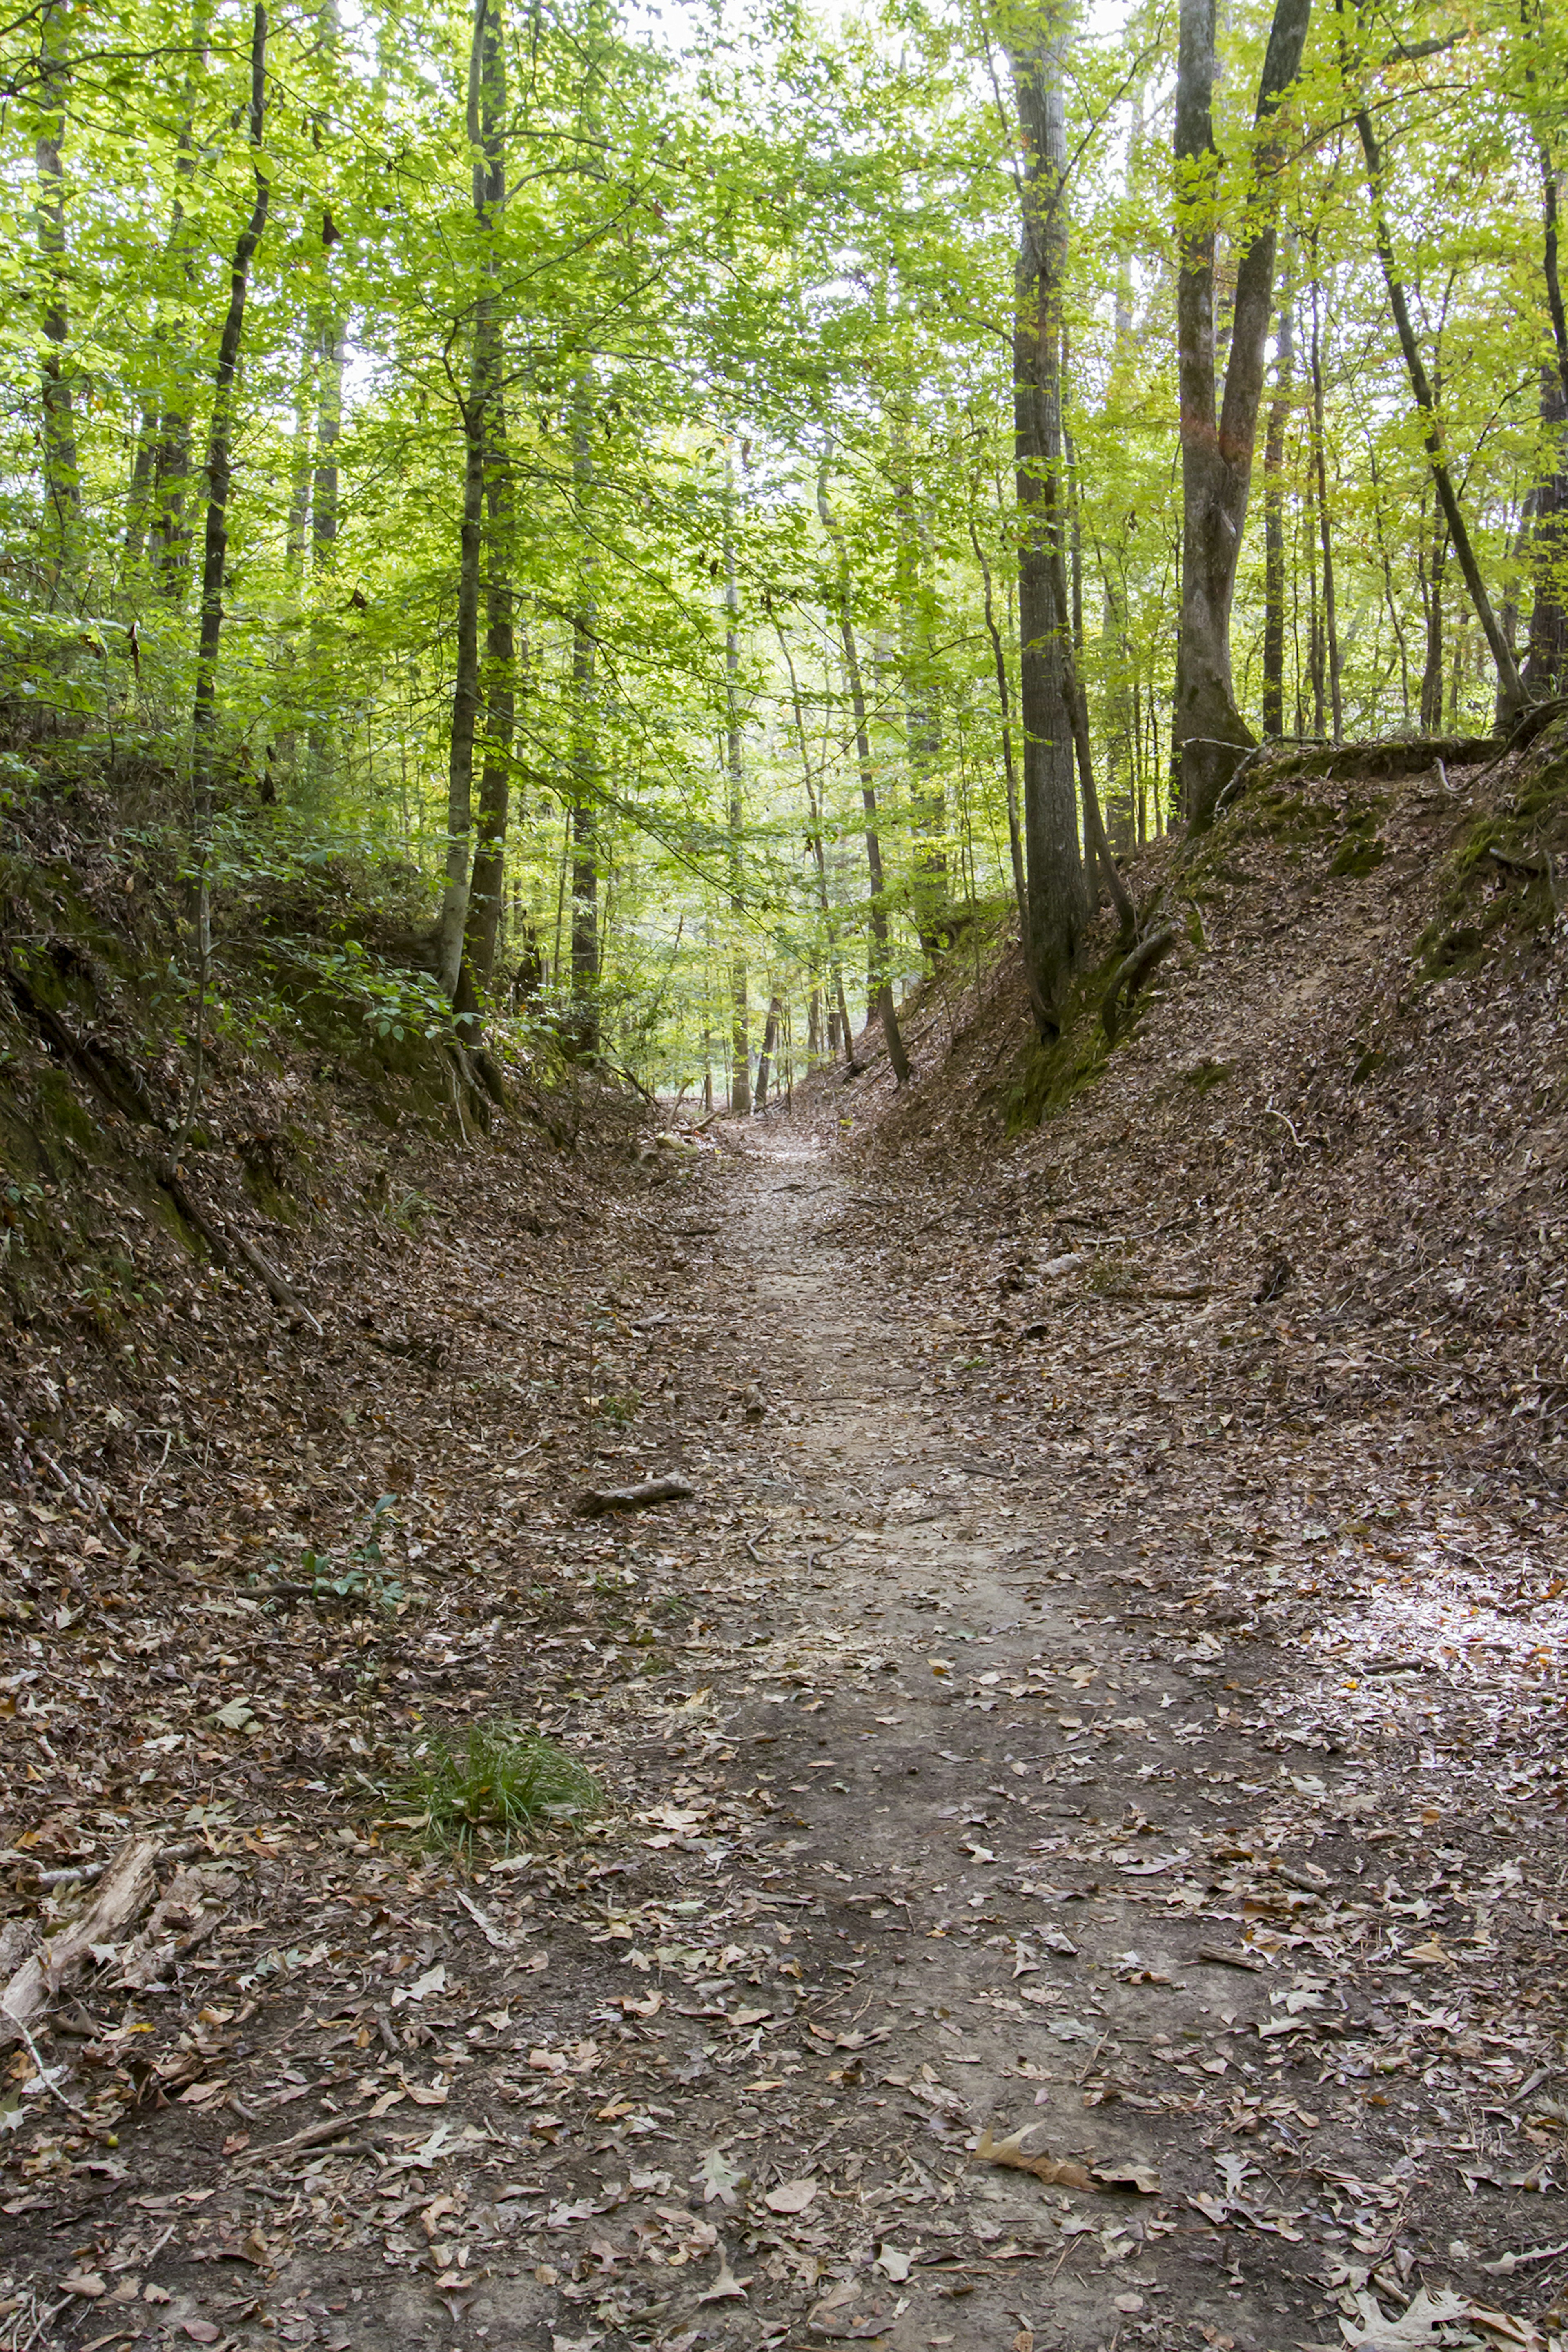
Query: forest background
[702, 515]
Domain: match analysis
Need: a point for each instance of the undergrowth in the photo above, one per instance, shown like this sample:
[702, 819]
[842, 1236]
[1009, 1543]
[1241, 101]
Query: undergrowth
[498, 1787]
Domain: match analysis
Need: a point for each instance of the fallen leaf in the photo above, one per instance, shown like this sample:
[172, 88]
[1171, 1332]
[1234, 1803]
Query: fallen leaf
[726, 2288]
[1141, 2177]
[1415, 2331]
[200, 2331]
[1056, 2172]
[86, 2283]
[718, 2178]
[790, 2197]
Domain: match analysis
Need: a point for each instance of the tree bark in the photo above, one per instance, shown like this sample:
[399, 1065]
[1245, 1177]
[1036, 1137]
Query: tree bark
[923, 721]
[1325, 533]
[739, 1011]
[487, 887]
[62, 489]
[169, 528]
[1004, 704]
[1210, 736]
[1546, 656]
[299, 522]
[770, 1044]
[330, 356]
[486, 883]
[879, 973]
[1057, 893]
[1274, 517]
[1512, 695]
[220, 464]
[838, 1014]
[1431, 702]
[483, 117]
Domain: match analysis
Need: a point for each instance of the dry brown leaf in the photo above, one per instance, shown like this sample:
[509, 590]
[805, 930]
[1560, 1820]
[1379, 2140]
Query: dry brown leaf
[1056, 2171]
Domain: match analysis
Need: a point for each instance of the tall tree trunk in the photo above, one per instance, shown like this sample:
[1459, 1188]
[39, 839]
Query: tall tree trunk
[923, 721]
[1274, 514]
[1325, 533]
[169, 527]
[838, 1017]
[1546, 658]
[299, 522]
[1431, 708]
[1057, 893]
[1512, 695]
[331, 353]
[1210, 735]
[62, 488]
[739, 1010]
[769, 1042]
[488, 880]
[489, 884]
[879, 986]
[484, 130]
[585, 810]
[1004, 704]
[220, 462]
[139, 496]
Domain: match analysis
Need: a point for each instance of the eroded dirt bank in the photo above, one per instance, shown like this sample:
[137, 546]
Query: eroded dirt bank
[944, 1802]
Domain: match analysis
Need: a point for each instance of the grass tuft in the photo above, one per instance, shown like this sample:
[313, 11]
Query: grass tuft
[499, 1786]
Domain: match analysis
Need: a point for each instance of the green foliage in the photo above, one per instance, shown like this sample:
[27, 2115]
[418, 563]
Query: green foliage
[360, 1575]
[726, 255]
[500, 1785]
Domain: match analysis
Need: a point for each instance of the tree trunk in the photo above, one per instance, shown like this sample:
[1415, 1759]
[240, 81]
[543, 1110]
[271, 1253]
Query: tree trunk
[1512, 695]
[62, 489]
[770, 1045]
[838, 1019]
[879, 989]
[484, 131]
[739, 1013]
[1431, 707]
[203, 714]
[1057, 895]
[1546, 657]
[1274, 516]
[1004, 704]
[330, 357]
[488, 882]
[1325, 534]
[299, 522]
[923, 722]
[169, 528]
[1210, 735]
[488, 889]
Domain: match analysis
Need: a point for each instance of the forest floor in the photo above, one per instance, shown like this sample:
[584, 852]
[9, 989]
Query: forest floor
[1080, 1862]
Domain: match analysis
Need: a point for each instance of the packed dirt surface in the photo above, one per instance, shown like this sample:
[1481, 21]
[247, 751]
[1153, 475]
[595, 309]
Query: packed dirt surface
[997, 1934]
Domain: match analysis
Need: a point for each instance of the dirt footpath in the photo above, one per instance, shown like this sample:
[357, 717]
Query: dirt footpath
[999, 1938]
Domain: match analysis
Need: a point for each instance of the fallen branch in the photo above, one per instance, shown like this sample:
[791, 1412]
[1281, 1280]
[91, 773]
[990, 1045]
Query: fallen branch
[54, 2090]
[1135, 970]
[1218, 1957]
[127, 1884]
[313, 2136]
[225, 1244]
[632, 1498]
